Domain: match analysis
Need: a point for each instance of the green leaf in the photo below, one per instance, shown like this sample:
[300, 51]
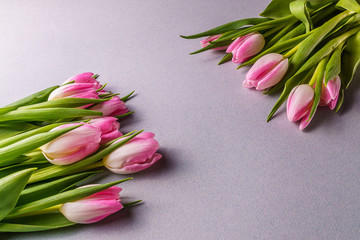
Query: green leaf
[57, 170]
[5, 171]
[300, 10]
[10, 189]
[318, 76]
[350, 59]
[21, 136]
[277, 9]
[9, 153]
[46, 114]
[308, 45]
[34, 98]
[65, 103]
[226, 58]
[227, 27]
[7, 109]
[60, 198]
[333, 67]
[340, 100]
[351, 5]
[36, 223]
[46, 189]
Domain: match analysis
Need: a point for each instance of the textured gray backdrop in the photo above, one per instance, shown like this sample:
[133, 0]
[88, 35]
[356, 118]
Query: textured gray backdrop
[226, 173]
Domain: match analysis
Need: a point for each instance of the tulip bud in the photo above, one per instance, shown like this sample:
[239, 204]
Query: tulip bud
[330, 93]
[266, 72]
[246, 46]
[109, 127]
[72, 146]
[134, 156]
[75, 90]
[94, 207]
[299, 104]
[113, 107]
[86, 77]
[206, 42]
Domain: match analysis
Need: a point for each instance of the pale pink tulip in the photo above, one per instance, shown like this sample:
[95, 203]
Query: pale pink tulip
[330, 93]
[113, 107]
[246, 46]
[299, 104]
[266, 72]
[75, 90]
[134, 156]
[72, 146]
[94, 207]
[206, 42]
[86, 77]
[109, 127]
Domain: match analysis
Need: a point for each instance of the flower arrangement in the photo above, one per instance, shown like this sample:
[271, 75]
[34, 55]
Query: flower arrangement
[307, 49]
[55, 139]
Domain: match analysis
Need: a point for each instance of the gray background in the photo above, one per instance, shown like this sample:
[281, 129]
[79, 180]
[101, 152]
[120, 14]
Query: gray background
[226, 173]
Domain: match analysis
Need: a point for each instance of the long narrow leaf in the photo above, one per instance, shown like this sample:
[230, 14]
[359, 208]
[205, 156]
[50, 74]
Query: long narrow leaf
[46, 114]
[227, 27]
[10, 189]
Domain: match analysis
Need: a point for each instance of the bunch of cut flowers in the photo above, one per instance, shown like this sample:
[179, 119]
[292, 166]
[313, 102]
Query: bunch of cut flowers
[308, 50]
[54, 140]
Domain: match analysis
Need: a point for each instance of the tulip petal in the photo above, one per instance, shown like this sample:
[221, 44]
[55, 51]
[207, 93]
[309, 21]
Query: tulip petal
[299, 102]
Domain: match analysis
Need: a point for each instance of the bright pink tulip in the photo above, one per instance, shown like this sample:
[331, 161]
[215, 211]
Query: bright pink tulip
[109, 127]
[86, 77]
[72, 146]
[94, 207]
[206, 42]
[266, 72]
[299, 104]
[113, 107]
[246, 46]
[134, 156]
[75, 90]
[330, 93]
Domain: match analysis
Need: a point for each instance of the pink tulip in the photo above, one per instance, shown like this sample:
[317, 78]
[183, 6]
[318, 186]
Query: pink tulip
[86, 77]
[206, 42]
[75, 90]
[94, 207]
[266, 72]
[246, 46]
[108, 126]
[134, 156]
[299, 104]
[113, 107]
[72, 146]
[330, 93]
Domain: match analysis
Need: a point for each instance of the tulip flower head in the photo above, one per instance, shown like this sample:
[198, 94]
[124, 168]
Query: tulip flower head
[94, 207]
[75, 90]
[330, 93]
[113, 107]
[246, 46]
[206, 42]
[72, 146]
[109, 127]
[86, 77]
[299, 104]
[266, 72]
[136, 155]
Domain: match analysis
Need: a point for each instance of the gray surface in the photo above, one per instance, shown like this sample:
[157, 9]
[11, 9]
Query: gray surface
[226, 173]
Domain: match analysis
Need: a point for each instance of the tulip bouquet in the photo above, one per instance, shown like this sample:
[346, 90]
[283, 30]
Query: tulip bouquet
[55, 139]
[308, 49]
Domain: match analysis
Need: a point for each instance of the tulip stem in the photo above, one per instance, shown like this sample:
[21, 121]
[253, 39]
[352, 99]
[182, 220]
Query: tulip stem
[292, 51]
[318, 70]
[101, 88]
[95, 76]
[52, 209]
[272, 31]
